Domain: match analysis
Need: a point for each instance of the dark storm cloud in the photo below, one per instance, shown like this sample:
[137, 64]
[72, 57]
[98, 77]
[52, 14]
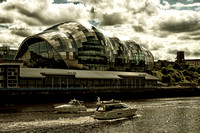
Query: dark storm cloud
[34, 15]
[112, 19]
[196, 54]
[196, 38]
[43, 13]
[174, 52]
[138, 28]
[195, 33]
[190, 36]
[20, 32]
[6, 19]
[180, 26]
[187, 52]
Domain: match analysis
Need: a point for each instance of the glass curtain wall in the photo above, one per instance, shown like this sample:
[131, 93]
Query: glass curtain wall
[44, 56]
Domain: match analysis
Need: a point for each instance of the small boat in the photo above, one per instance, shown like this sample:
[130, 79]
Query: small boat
[112, 109]
[72, 107]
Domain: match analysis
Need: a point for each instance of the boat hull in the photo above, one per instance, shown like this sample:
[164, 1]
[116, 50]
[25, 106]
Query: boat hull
[115, 114]
[69, 109]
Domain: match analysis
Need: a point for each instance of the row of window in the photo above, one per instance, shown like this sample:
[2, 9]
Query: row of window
[59, 82]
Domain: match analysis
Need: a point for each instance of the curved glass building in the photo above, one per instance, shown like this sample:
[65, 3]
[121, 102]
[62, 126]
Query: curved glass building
[70, 45]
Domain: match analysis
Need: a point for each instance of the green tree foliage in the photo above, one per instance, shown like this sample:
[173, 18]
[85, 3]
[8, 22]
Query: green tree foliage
[192, 68]
[177, 66]
[170, 70]
[166, 79]
[188, 78]
[198, 70]
[164, 70]
[158, 74]
[163, 64]
[177, 76]
[176, 73]
[187, 73]
[198, 81]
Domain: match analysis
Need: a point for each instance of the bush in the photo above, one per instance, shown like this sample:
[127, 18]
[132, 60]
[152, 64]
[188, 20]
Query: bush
[188, 78]
[198, 69]
[177, 66]
[166, 79]
[163, 64]
[170, 70]
[164, 70]
[187, 73]
[198, 81]
[177, 76]
[193, 69]
[158, 74]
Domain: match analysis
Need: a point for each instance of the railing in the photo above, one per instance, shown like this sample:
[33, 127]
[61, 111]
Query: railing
[84, 88]
[76, 88]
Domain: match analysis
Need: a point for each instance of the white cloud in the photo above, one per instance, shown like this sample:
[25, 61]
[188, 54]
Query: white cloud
[157, 27]
[181, 5]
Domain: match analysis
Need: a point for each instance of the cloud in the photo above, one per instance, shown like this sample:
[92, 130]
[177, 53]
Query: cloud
[113, 19]
[163, 27]
[23, 32]
[186, 6]
[179, 21]
[6, 20]
[39, 12]
[25, 18]
[138, 28]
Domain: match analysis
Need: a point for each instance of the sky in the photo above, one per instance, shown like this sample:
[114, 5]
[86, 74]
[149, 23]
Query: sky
[161, 26]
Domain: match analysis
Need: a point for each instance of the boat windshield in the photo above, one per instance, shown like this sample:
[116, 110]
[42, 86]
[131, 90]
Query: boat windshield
[117, 106]
[110, 107]
[74, 103]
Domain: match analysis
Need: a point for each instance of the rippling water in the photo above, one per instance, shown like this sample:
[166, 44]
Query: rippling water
[153, 115]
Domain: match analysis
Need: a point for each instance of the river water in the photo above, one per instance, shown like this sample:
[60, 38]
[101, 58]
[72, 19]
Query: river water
[172, 115]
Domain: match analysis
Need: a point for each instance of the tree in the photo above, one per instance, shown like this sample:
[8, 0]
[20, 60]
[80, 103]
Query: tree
[163, 64]
[166, 79]
[177, 66]
[199, 81]
[188, 78]
[198, 70]
[192, 68]
[177, 76]
[187, 73]
[164, 70]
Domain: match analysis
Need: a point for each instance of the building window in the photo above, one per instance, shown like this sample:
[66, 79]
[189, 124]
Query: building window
[1, 85]
[12, 77]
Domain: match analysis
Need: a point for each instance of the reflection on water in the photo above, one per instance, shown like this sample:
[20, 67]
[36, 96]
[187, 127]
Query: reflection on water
[153, 115]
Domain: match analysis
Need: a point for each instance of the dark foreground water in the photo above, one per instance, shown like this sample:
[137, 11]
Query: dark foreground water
[173, 115]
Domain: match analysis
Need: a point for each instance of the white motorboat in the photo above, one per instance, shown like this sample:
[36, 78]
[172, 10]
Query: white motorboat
[72, 107]
[112, 109]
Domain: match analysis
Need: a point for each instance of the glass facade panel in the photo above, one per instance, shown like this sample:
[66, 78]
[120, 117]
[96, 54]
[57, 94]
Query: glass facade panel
[43, 55]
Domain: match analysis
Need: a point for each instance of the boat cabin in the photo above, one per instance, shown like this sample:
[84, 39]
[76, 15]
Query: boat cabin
[110, 106]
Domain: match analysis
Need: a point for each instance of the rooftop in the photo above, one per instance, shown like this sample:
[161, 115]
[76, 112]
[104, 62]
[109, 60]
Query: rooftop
[41, 72]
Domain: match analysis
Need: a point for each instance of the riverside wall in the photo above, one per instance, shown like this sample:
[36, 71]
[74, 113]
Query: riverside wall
[43, 95]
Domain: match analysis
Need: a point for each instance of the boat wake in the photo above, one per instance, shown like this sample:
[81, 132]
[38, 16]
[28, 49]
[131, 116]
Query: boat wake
[38, 123]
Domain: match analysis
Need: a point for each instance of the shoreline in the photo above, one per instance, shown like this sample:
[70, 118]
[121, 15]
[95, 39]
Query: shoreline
[48, 96]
